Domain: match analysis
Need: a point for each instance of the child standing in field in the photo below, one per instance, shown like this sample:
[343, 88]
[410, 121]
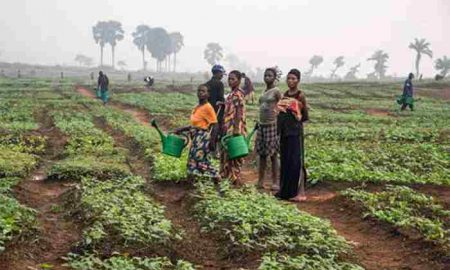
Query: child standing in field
[234, 124]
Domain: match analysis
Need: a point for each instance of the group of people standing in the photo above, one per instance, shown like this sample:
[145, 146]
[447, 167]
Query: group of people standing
[280, 131]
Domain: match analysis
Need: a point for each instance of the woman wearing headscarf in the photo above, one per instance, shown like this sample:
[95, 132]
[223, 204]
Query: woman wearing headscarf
[203, 119]
[293, 112]
[233, 124]
[267, 140]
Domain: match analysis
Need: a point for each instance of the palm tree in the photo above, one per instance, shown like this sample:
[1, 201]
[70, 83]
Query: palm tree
[116, 33]
[177, 42]
[315, 61]
[443, 64]
[158, 44]
[107, 32]
[380, 58]
[421, 47]
[100, 36]
[140, 40]
[338, 62]
[213, 53]
[351, 75]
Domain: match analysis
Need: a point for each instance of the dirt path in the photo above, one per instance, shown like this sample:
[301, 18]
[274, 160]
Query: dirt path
[376, 247]
[55, 234]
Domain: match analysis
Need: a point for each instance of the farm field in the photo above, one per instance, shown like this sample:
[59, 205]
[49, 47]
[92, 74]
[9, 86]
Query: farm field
[84, 186]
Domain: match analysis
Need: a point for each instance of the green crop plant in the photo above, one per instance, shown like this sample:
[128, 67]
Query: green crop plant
[405, 208]
[120, 262]
[250, 220]
[119, 208]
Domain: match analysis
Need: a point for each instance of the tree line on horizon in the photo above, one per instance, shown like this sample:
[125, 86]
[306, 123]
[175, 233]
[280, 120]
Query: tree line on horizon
[163, 45]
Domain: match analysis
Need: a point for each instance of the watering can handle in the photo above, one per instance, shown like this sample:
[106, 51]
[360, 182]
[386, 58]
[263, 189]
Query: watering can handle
[186, 138]
[224, 139]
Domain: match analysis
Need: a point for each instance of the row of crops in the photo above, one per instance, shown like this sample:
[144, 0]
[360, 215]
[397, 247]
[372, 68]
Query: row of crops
[124, 227]
[20, 149]
[345, 142]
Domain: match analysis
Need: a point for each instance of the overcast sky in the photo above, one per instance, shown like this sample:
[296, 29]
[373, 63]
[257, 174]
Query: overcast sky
[261, 32]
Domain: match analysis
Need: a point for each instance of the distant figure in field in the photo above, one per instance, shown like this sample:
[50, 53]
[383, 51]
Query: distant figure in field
[62, 75]
[18, 74]
[216, 99]
[129, 77]
[103, 84]
[248, 89]
[149, 80]
[407, 97]
[92, 76]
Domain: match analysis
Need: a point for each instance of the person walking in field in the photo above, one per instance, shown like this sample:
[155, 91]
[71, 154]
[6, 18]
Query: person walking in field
[203, 119]
[233, 124]
[293, 112]
[103, 84]
[216, 98]
[267, 140]
[248, 89]
[407, 97]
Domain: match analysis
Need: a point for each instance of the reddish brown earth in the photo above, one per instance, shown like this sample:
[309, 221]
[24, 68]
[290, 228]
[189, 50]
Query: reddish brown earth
[376, 246]
[378, 112]
[55, 233]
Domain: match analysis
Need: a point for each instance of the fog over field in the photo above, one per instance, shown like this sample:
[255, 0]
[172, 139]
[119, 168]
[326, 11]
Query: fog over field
[260, 32]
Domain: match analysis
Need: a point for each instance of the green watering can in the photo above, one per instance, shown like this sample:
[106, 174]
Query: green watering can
[402, 99]
[172, 144]
[237, 146]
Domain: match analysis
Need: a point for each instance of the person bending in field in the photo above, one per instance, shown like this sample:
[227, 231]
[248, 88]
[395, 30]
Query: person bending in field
[203, 119]
[216, 98]
[293, 113]
[103, 84]
[407, 97]
[267, 140]
[233, 124]
[248, 89]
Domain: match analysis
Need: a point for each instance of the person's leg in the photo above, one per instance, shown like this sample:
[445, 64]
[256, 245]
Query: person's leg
[262, 171]
[411, 107]
[403, 107]
[275, 180]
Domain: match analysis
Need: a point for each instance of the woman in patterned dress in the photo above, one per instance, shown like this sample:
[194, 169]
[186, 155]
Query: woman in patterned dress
[203, 119]
[234, 124]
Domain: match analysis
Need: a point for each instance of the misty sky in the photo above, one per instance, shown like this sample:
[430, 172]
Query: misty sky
[262, 33]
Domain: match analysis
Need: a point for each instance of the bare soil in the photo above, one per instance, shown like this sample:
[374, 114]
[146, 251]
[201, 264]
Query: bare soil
[55, 233]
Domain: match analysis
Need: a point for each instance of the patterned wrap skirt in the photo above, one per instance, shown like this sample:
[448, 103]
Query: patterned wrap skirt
[198, 159]
[267, 140]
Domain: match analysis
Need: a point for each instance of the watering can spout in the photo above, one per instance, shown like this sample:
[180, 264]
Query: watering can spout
[161, 135]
